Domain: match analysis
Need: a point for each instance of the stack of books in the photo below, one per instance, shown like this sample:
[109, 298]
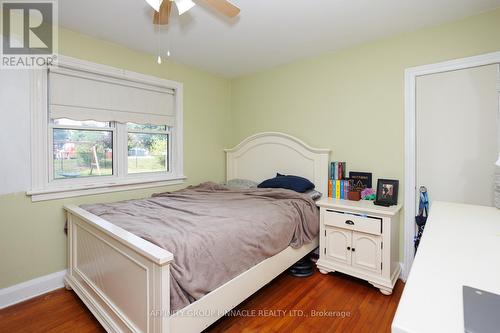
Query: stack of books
[338, 170]
[338, 186]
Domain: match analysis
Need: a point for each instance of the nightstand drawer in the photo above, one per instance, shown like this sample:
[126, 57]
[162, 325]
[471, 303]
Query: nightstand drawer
[370, 225]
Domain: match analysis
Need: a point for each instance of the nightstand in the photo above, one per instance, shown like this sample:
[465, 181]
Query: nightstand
[360, 239]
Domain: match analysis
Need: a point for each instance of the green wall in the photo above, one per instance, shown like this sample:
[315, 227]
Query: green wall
[32, 242]
[350, 101]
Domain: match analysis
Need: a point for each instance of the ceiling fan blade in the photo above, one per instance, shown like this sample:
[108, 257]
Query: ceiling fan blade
[155, 4]
[161, 17]
[224, 7]
[184, 5]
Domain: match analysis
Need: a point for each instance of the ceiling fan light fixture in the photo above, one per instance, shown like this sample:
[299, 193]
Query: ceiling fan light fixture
[184, 5]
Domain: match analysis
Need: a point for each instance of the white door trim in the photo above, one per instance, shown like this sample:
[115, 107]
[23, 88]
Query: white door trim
[411, 75]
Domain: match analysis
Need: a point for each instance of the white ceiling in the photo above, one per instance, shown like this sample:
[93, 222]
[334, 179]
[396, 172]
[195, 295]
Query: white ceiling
[265, 34]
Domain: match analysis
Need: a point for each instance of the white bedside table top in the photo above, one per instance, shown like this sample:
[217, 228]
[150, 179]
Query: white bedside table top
[362, 206]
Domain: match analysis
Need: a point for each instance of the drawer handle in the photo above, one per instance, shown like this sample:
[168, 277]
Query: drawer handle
[349, 222]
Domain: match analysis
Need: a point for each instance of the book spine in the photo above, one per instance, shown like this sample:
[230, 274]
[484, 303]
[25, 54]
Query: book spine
[330, 183]
[337, 189]
[338, 170]
[341, 189]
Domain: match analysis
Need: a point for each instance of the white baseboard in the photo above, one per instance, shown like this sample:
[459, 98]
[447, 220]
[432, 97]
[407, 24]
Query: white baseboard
[29, 289]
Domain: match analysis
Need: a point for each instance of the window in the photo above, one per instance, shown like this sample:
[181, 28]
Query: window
[85, 148]
[98, 129]
[147, 148]
[81, 148]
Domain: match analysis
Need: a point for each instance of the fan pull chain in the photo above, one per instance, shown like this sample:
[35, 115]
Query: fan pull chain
[158, 32]
[168, 44]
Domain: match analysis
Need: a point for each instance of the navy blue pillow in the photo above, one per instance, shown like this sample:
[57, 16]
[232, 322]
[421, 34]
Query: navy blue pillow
[295, 183]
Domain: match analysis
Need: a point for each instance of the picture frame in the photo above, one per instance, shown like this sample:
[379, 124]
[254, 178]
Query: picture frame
[387, 192]
[360, 180]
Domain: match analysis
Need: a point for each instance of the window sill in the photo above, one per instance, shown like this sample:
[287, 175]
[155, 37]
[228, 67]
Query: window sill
[53, 193]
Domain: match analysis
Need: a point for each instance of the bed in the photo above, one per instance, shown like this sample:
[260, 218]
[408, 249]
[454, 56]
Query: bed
[125, 280]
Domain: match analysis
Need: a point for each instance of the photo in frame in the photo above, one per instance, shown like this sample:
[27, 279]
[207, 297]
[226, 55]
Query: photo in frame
[387, 192]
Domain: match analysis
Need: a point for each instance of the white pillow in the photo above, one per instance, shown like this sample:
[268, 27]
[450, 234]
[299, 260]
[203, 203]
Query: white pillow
[313, 194]
[238, 183]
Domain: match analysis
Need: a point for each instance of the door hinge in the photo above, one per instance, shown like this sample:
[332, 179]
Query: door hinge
[380, 266]
[324, 250]
[382, 245]
[325, 233]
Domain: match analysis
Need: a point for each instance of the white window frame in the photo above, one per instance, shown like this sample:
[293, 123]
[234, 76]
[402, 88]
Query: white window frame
[43, 187]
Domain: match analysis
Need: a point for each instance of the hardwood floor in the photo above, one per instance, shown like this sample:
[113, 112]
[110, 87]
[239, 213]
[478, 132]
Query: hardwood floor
[58, 311]
[303, 304]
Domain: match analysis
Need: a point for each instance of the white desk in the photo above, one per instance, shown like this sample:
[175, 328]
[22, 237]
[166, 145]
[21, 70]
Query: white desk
[460, 246]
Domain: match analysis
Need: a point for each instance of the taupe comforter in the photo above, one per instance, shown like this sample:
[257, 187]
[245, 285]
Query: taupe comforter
[215, 232]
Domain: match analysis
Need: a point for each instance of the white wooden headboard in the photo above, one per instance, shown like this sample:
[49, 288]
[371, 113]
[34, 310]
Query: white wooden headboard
[262, 155]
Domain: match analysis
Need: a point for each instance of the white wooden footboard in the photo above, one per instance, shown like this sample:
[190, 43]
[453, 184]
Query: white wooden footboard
[123, 279]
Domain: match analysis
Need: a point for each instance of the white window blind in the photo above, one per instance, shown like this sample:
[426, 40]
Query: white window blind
[81, 95]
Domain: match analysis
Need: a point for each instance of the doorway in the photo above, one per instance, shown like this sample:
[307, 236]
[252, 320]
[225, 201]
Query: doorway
[456, 134]
[413, 78]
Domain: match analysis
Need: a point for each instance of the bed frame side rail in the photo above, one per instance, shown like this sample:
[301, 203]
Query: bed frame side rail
[207, 310]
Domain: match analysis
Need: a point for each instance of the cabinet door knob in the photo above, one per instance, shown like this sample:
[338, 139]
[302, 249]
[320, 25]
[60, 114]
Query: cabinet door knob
[348, 248]
[353, 249]
[349, 222]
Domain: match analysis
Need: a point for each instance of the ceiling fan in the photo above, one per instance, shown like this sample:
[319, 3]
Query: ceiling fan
[164, 7]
